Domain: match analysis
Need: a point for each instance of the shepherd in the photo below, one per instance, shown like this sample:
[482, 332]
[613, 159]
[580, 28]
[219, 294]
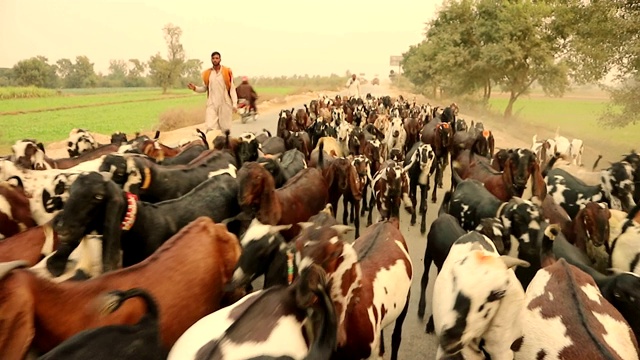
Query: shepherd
[222, 102]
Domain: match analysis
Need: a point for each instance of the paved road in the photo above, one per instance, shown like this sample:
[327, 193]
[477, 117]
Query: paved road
[416, 344]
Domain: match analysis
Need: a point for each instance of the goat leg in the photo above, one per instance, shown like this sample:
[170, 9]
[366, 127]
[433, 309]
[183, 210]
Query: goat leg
[413, 195]
[434, 197]
[364, 200]
[423, 207]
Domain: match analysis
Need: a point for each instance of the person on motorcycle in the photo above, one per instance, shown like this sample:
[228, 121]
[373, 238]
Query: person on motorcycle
[245, 91]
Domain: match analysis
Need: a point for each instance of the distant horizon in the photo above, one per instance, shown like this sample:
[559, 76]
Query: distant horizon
[256, 39]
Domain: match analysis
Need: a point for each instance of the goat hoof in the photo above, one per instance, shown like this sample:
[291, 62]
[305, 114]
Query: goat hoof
[430, 328]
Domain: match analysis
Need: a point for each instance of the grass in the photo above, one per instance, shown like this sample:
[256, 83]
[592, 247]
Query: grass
[575, 117]
[105, 111]
[575, 114]
[57, 102]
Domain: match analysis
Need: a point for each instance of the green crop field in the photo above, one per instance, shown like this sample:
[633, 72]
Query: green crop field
[575, 116]
[50, 118]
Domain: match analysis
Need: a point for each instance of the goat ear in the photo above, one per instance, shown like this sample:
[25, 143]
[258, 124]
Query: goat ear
[107, 176]
[507, 175]
[16, 182]
[614, 271]
[511, 261]
[41, 147]
[552, 231]
[539, 188]
[116, 207]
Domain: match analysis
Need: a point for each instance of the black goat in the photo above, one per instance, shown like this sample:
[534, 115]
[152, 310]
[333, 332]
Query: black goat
[138, 228]
[154, 183]
[291, 163]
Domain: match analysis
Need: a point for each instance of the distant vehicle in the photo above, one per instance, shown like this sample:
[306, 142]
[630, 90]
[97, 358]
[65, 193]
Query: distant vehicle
[246, 114]
[375, 81]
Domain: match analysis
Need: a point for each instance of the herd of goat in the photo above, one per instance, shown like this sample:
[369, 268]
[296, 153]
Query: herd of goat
[140, 250]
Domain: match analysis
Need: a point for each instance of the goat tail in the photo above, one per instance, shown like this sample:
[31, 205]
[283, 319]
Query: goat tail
[546, 253]
[114, 299]
[203, 137]
[157, 136]
[550, 164]
[321, 154]
[446, 200]
[267, 131]
[326, 340]
[226, 138]
[595, 164]
[454, 174]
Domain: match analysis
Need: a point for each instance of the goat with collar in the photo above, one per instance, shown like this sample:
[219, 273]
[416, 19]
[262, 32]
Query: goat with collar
[97, 204]
[155, 183]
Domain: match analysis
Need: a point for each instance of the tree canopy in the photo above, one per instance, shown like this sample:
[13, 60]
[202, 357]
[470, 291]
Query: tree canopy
[66, 73]
[473, 46]
[166, 72]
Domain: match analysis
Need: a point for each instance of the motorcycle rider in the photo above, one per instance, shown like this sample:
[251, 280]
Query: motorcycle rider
[246, 91]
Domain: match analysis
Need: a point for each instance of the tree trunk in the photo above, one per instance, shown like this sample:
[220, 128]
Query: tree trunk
[508, 112]
[164, 89]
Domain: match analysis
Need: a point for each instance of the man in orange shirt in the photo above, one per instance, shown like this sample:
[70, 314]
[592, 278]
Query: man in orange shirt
[222, 100]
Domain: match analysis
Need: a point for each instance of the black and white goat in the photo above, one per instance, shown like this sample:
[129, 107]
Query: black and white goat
[138, 228]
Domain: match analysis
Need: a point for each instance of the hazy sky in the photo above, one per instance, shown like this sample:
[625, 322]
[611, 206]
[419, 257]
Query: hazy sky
[255, 37]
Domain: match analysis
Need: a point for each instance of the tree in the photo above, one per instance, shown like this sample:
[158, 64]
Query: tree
[474, 45]
[191, 71]
[77, 75]
[165, 72]
[117, 69]
[64, 70]
[5, 76]
[614, 45]
[35, 71]
[83, 72]
[135, 72]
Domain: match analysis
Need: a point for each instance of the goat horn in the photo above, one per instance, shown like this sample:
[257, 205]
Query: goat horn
[305, 224]
[6, 267]
[278, 228]
[511, 261]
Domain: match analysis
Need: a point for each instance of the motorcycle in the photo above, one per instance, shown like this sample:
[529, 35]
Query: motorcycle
[246, 113]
